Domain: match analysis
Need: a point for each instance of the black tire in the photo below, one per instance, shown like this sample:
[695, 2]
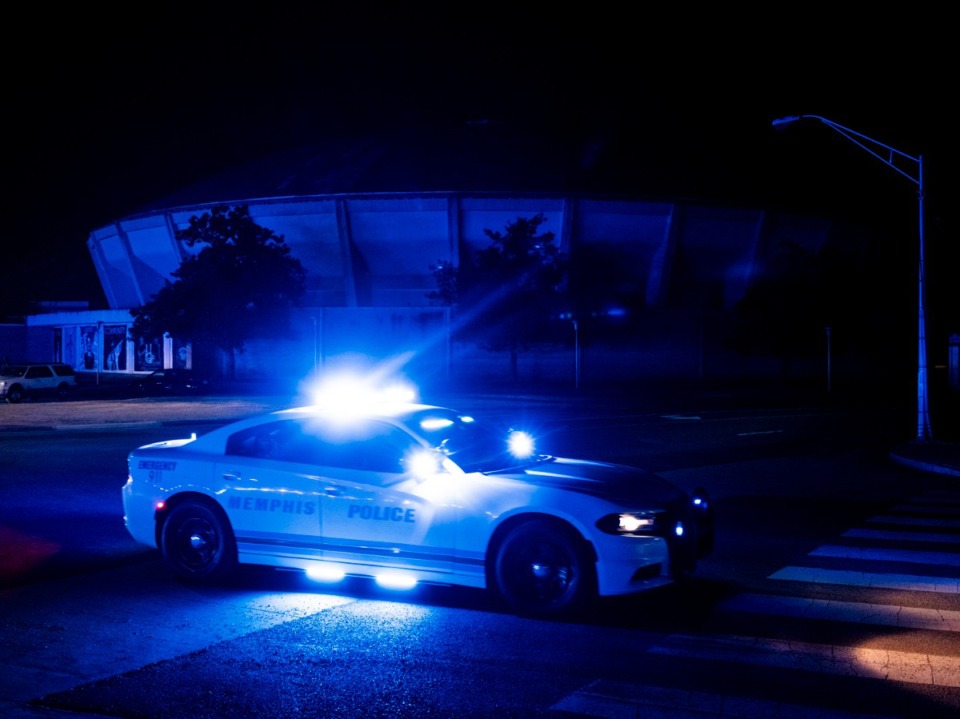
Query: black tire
[543, 569]
[15, 395]
[198, 543]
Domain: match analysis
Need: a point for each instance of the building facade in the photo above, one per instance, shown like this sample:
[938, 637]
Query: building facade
[369, 259]
[369, 218]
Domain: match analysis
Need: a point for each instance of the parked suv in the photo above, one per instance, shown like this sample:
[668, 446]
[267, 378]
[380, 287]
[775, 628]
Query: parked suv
[36, 379]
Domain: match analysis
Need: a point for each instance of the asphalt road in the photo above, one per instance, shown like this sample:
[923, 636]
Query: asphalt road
[123, 640]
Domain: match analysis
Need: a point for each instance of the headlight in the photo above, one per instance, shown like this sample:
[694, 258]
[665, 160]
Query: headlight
[630, 524]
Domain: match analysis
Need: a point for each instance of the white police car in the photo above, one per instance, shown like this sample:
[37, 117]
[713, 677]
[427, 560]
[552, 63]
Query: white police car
[406, 492]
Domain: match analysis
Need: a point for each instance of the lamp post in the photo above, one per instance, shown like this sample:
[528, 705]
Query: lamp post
[891, 157]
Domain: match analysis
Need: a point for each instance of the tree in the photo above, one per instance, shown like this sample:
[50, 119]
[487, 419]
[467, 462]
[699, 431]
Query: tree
[507, 294]
[241, 285]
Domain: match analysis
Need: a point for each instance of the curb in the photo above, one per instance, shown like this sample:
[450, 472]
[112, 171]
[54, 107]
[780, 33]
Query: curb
[949, 468]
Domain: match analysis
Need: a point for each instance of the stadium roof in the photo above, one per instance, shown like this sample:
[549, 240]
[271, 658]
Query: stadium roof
[482, 156]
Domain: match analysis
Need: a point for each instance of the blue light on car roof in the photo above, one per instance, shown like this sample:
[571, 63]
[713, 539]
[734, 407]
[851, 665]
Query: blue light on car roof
[355, 394]
[520, 444]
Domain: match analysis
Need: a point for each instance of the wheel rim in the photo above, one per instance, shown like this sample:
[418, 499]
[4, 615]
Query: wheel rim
[540, 573]
[196, 544]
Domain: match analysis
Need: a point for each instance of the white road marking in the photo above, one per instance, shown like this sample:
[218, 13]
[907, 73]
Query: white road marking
[886, 664]
[909, 556]
[907, 536]
[915, 521]
[875, 580]
[616, 700]
[926, 509]
[625, 700]
[889, 615]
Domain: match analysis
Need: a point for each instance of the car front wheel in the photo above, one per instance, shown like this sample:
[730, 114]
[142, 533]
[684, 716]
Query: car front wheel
[198, 543]
[15, 394]
[543, 569]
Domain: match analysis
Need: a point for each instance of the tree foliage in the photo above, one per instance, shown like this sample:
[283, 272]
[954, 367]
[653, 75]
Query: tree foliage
[506, 295]
[241, 285]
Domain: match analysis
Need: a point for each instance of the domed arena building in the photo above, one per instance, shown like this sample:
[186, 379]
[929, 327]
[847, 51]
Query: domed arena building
[370, 217]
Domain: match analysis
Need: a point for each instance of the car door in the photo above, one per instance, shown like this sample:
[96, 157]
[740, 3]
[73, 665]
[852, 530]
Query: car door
[271, 496]
[376, 512]
[40, 379]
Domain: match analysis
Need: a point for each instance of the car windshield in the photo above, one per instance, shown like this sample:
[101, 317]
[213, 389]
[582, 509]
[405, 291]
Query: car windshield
[474, 446]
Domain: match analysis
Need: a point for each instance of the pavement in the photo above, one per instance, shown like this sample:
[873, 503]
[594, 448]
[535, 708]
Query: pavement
[108, 403]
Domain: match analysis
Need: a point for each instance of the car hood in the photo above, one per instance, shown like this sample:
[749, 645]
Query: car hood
[598, 479]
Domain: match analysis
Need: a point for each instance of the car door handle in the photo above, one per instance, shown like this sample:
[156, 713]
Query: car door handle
[331, 491]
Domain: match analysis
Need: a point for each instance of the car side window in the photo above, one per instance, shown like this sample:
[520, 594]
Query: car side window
[38, 372]
[275, 440]
[368, 446]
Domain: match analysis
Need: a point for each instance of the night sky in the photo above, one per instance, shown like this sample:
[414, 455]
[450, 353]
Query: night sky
[111, 108]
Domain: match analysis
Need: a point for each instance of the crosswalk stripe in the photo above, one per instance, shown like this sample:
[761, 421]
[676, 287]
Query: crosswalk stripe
[915, 521]
[907, 536]
[853, 612]
[908, 582]
[943, 559]
[926, 509]
[946, 498]
[623, 700]
[614, 700]
[886, 664]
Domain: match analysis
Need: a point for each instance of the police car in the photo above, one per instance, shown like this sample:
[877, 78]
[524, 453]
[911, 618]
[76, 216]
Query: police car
[403, 492]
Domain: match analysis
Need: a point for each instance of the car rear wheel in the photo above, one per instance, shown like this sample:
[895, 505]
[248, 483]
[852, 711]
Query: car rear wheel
[543, 569]
[15, 394]
[198, 543]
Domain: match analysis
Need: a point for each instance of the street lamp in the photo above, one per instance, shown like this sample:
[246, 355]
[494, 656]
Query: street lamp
[890, 158]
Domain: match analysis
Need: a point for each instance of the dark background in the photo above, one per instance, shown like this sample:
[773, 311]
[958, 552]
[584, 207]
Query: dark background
[111, 108]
